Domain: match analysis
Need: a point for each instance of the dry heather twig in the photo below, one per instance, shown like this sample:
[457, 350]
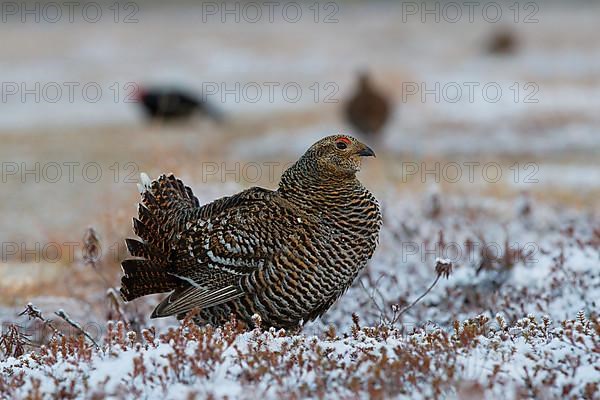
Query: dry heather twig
[33, 312]
[68, 320]
[13, 342]
[442, 268]
[92, 252]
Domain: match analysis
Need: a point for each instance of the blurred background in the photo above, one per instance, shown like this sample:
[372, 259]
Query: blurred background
[493, 100]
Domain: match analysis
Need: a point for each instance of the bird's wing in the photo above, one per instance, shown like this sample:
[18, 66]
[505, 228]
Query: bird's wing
[186, 298]
[169, 220]
[169, 208]
[242, 235]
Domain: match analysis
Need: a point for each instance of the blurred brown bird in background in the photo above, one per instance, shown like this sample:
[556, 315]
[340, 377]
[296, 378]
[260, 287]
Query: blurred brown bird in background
[502, 42]
[285, 255]
[368, 109]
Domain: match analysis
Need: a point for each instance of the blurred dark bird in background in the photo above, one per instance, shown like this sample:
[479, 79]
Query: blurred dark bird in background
[173, 104]
[502, 42]
[368, 109]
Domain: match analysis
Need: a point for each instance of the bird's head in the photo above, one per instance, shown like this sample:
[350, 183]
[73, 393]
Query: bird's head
[337, 156]
[364, 79]
[138, 93]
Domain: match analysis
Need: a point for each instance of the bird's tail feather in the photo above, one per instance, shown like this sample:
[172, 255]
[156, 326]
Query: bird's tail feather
[165, 206]
[142, 277]
[166, 194]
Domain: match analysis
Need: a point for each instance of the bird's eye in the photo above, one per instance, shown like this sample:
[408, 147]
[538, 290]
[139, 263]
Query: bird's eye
[341, 145]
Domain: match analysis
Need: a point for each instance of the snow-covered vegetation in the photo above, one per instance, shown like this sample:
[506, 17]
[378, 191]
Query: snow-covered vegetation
[480, 287]
[513, 313]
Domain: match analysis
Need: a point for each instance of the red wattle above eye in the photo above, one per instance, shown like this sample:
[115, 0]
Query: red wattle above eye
[344, 139]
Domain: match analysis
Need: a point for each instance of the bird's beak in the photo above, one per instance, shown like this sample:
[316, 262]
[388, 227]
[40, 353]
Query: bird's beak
[366, 152]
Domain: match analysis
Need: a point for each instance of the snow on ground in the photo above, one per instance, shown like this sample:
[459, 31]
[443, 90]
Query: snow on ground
[530, 358]
[518, 316]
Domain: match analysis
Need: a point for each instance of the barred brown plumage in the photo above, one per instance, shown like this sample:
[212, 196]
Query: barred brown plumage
[286, 255]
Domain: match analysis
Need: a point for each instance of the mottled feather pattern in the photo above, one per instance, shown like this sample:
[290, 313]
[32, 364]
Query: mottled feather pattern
[286, 255]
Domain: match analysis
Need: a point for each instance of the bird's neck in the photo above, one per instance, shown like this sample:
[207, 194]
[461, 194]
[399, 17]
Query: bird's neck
[304, 185]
